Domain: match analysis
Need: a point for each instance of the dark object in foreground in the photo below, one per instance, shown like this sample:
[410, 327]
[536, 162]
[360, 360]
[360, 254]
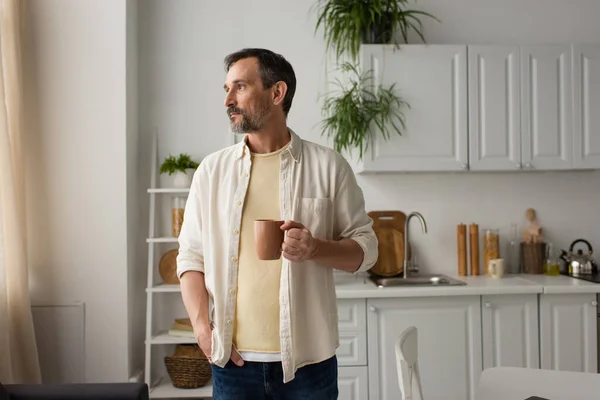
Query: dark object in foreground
[83, 391]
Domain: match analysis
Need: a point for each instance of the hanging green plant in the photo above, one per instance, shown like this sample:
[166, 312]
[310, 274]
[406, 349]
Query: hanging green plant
[349, 23]
[351, 113]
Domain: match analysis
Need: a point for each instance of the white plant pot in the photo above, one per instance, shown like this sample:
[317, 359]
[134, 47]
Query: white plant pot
[178, 180]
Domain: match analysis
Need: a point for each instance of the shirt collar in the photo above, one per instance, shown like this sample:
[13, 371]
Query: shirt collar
[295, 147]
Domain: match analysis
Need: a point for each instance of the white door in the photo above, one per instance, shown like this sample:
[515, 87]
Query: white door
[433, 80]
[352, 383]
[449, 337]
[494, 108]
[586, 89]
[547, 107]
[568, 332]
[510, 331]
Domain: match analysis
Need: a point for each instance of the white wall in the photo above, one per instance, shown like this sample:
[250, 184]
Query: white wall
[78, 171]
[181, 51]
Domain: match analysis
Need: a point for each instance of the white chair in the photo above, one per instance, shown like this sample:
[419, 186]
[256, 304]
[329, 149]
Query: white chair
[407, 355]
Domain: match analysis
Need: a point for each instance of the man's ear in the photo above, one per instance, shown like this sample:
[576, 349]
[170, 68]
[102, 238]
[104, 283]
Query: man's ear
[279, 91]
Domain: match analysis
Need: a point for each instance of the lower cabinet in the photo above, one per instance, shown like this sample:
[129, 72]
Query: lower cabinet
[353, 377]
[353, 383]
[460, 336]
[510, 331]
[449, 337]
[568, 326]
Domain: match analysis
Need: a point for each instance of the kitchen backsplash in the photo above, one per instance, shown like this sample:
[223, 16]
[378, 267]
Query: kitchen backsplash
[567, 205]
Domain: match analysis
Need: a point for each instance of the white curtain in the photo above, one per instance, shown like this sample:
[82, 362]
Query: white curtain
[18, 351]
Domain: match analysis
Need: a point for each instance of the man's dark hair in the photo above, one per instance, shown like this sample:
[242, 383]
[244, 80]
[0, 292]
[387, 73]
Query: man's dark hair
[273, 68]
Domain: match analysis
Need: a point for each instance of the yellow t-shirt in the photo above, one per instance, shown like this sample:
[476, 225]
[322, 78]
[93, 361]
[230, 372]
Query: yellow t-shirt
[256, 326]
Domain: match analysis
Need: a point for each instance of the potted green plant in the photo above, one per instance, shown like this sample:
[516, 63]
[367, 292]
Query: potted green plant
[180, 169]
[351, 113]
[349, 23]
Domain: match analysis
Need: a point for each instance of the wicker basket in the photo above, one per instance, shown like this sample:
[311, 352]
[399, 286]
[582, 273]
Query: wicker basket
[188, 368]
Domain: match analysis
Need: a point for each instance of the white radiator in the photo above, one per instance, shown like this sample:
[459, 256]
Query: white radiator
[60, 336]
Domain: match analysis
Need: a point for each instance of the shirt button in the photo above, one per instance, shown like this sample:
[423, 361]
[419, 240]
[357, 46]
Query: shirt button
[229, 321]
[232, 291]
[235, 231]
[245, 174]
[234, 259]
[239, 203]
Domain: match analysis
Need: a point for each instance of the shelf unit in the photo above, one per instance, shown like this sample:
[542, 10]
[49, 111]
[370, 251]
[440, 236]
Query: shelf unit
[162, 388]
[165, 390]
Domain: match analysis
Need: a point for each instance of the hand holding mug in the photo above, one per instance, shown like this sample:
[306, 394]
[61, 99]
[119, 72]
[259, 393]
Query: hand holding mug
[299, 244]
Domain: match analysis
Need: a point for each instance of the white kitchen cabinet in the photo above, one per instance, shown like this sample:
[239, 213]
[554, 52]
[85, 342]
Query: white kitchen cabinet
[352, 325]
[433, 80]
[547, 107]
[586, 118]
[494, 108]
[353, 379]
[521, 108]
[449, 337]
[353, 383]
[528, 107]
[568, 332]
[510, 331]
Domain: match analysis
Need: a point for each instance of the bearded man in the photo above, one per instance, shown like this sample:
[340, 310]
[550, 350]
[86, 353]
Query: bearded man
[272, 330]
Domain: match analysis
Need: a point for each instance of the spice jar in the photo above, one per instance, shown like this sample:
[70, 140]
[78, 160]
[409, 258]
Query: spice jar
[177, 214]
[491, 247]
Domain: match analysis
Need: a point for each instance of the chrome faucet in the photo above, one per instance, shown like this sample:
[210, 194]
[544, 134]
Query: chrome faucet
[406, 241]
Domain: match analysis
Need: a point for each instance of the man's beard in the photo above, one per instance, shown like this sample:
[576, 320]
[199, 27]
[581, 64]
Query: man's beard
[248, 122]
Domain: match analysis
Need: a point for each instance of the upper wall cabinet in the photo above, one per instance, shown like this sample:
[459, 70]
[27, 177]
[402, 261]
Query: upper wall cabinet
[586, 89]
[494, 108]
[529, 107]
[547, 107]
[433, 81]
[520, 108]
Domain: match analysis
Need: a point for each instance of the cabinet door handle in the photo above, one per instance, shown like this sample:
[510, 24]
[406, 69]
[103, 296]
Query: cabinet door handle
[594, 303]
[372, 309]
[488, 305]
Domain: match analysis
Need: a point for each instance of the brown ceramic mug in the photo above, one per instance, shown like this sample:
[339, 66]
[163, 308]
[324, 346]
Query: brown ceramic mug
[268, 238]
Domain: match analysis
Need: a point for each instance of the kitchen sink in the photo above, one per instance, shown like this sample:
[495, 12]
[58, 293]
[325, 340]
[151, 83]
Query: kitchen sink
[416, 280]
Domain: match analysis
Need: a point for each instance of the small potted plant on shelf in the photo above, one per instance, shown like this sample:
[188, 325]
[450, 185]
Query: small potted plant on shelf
[351, 114]
[349, 23]
[180, 169]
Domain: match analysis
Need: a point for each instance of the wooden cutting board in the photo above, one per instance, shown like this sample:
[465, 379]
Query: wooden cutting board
[389, 229]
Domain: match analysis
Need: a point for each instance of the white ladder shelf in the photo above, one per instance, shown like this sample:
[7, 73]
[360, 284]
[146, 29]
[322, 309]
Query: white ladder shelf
[161, 387]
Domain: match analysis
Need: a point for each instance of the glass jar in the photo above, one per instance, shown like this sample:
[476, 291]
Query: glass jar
[513, 250]
[177, 210]
[552, 263]
[491, 247]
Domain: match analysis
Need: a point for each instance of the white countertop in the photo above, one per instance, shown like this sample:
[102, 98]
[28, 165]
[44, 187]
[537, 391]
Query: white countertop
[563, 284]
[350, 286]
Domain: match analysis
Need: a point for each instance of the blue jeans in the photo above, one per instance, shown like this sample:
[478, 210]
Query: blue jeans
[264, 380]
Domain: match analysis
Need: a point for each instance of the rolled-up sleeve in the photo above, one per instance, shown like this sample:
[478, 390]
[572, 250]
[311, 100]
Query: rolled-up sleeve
[350, 217]
[191, 251]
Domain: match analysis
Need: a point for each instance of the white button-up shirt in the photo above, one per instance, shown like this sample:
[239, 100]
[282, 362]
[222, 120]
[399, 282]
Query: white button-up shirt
[317, 188]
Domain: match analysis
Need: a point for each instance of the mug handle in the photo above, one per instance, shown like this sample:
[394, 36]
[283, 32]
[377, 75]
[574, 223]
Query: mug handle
[492, 268]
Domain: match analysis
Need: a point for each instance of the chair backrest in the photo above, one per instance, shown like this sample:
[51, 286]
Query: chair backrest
[407, 362]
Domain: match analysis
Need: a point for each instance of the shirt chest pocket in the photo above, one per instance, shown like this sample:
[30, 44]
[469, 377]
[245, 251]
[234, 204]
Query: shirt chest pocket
[316, 214]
